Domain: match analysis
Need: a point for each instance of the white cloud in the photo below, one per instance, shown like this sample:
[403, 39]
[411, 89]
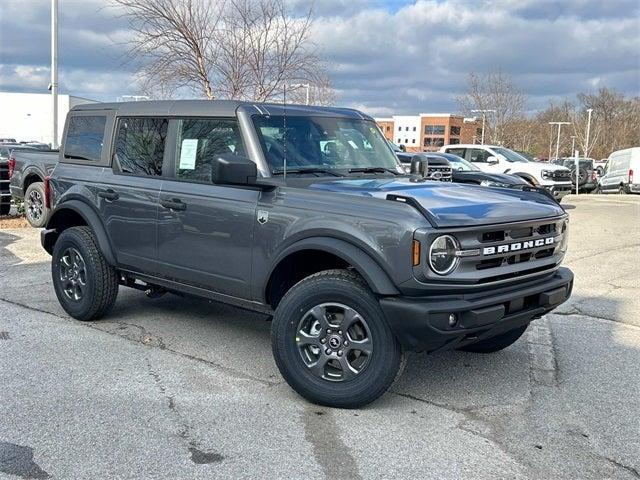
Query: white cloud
[386, 56]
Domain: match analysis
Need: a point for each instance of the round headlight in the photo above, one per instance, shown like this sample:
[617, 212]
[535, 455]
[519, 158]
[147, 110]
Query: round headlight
[442, 255]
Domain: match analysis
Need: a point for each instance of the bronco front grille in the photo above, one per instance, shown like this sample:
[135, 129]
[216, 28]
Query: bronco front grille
[490, 254]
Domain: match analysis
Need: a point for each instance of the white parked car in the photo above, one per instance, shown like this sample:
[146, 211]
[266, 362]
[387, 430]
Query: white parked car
[493, 159]
[622, 172]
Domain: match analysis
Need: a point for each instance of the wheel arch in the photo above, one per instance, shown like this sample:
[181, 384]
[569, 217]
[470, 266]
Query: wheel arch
[314, 254]
[30, 177]
[74, 213]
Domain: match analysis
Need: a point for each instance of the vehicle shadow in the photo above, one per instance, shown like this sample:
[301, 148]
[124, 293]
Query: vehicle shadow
[8, 258]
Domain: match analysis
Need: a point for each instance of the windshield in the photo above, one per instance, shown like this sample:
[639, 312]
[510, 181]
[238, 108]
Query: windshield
[510, 155]
[323, 143]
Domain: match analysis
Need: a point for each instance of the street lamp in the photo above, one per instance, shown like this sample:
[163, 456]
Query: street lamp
[54, 70]
[302, 85]
[573, 144]
[484, 112]
[586, 147]
[558, 140]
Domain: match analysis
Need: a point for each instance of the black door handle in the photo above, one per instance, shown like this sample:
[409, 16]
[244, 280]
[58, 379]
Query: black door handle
[174, 204]
[108, 194]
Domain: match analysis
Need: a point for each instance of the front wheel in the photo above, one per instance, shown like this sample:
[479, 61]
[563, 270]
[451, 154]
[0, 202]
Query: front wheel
[497, 343]
[85, 284]
[332, 343]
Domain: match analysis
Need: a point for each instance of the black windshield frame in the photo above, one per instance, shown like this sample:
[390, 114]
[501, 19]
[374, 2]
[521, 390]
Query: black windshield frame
[328, 143]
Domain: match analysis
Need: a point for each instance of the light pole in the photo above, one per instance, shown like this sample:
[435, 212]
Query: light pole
[586, 147]
[302, 85]
[484, 113]
[558, 140]
[573, 144]
[54, 70]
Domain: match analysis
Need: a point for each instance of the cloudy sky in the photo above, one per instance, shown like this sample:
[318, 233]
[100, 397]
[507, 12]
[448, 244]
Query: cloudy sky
[385, 57]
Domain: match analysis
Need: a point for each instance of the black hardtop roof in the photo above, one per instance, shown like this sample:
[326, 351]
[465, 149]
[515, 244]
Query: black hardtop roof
[215, 108]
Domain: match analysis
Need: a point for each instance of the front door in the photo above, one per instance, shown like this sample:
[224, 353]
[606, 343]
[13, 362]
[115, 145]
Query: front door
[205, 231]
[479, 156]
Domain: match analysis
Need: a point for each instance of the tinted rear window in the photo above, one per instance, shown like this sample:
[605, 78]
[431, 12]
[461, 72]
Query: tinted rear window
[85, 136]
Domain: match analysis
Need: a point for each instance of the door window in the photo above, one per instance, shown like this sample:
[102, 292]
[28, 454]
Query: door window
[457, 151]
[199, 141]
[139, 146]
[477, 155]
[85, 135]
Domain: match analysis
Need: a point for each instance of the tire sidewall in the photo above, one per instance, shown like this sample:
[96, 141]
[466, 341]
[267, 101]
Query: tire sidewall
[77, 309]
[386, 352]
[42, 221]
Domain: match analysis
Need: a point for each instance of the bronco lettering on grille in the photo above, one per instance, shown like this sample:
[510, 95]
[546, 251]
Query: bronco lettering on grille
[513, 247]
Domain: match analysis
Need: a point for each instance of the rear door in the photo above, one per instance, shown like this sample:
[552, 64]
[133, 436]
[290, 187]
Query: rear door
[205, 231]
[129, 193]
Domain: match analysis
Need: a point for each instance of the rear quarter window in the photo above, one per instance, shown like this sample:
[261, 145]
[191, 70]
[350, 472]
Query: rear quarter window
[85, 138]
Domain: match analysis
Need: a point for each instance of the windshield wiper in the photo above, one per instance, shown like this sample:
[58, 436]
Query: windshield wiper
[308, 170]
[373, 170]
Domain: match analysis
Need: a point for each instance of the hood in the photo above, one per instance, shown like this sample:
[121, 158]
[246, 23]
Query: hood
[452, 204]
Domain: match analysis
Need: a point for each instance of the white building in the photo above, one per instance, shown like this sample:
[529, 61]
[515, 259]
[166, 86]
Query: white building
[28, 116]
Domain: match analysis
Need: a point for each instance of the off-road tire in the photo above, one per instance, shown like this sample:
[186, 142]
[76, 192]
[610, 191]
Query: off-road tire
[37, 215]
[101, 278]
[349, 289]
[497, 343]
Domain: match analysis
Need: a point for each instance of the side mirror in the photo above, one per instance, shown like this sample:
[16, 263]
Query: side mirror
[402, 148]
[492, 160]
[419, 165]
[229, 169]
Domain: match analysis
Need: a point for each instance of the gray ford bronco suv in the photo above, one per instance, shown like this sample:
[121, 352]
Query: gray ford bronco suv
[303, 213]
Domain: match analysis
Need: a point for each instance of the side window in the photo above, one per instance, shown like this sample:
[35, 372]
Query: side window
[139, 146]
[477, 155]
[199, 141]
[85, 135]
[456, 151]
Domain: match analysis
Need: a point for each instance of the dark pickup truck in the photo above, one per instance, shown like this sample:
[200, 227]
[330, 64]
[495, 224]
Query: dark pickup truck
[303, 213]
[28, 168]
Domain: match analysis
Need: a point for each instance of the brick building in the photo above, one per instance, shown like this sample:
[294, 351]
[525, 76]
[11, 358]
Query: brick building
[427, 132]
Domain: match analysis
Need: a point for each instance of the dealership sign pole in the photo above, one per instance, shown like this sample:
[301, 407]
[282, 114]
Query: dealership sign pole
[54, 70]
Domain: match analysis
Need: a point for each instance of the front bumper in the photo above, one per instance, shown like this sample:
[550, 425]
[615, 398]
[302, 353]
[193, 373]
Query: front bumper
[422, 323]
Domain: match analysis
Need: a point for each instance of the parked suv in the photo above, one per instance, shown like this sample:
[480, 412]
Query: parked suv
[494, 159]
[303, 213]
[587, 175]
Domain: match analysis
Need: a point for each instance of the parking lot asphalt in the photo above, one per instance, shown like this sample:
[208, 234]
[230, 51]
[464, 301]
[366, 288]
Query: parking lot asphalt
[183, 388]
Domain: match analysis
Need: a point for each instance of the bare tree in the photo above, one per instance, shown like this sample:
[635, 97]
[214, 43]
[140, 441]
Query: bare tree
[493, 91]
[239, 49]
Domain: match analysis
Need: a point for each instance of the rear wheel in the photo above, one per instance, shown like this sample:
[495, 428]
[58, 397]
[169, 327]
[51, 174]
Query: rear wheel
[85, 284]
[497, 343]
[622, 190]
[34, 205]
[331, 342]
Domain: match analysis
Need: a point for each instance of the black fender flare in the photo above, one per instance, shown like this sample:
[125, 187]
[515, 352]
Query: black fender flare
[29, 172]
[377, 279]
[90, 217]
